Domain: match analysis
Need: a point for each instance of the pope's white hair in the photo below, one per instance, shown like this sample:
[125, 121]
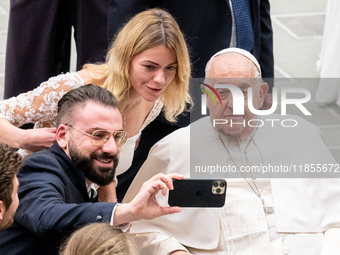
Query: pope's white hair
[247, 54]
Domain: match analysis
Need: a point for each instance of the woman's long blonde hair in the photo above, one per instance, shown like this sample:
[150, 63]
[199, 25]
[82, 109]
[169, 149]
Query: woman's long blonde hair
[99, 239]
[144, 31]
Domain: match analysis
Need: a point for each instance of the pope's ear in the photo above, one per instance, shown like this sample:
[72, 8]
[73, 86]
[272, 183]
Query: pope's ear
[263, 91]
[205, 85]
[61, 136]
[202, 89]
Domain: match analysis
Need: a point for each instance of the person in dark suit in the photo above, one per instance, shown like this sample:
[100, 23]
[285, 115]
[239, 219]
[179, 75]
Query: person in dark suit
[58, 186]
[39, 40]
[208, 27]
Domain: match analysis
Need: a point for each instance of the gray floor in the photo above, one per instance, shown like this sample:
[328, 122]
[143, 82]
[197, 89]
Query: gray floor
[298, 29]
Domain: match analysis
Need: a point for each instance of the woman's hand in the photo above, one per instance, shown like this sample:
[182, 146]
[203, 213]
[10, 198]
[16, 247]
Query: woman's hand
[27, 139]
[37, 139]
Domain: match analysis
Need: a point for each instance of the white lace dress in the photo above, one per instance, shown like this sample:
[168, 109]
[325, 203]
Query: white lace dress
[40, 105]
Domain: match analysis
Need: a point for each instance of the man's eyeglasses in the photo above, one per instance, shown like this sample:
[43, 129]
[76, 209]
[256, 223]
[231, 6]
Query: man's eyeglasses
[100, 137]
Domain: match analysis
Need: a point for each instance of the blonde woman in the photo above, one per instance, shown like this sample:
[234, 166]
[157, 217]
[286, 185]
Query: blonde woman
[99, 239]
[147, 67]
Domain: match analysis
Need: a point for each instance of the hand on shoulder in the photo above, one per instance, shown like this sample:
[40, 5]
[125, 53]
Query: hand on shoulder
[37, 139]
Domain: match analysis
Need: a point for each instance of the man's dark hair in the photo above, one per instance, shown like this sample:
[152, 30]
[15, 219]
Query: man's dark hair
[81, 95]
[10, 162]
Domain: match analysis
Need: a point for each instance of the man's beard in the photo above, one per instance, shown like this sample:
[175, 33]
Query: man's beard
[100, 175]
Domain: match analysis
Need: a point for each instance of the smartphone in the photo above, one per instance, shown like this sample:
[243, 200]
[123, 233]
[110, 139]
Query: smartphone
[198, 193]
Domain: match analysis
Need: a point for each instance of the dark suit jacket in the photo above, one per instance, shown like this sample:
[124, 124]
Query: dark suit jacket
[53, 202]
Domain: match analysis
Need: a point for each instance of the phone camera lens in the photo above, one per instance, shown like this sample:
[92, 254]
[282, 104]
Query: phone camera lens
[221, 184]
[218, 190]
[215, 184]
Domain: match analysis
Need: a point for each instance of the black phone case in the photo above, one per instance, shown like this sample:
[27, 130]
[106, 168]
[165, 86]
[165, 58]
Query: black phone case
[196, 193]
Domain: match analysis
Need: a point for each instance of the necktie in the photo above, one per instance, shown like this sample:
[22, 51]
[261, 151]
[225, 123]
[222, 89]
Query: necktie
[243, 23]
[92, 195]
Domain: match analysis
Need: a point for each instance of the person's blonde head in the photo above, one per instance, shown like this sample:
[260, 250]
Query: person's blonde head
[144, 31]
[98, 239]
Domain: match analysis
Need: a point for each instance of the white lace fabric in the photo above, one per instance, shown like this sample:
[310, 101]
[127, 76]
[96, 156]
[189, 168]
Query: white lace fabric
[39, 105]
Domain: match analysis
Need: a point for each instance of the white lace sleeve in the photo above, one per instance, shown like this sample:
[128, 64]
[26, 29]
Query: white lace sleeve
[39, 105]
